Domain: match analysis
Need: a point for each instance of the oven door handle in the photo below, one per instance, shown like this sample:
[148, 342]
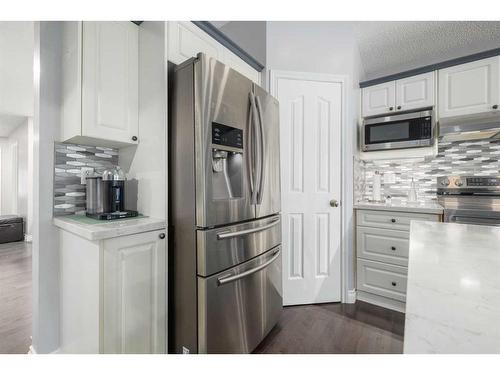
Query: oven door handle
[226, 235]
[474, 220]
[228, 279]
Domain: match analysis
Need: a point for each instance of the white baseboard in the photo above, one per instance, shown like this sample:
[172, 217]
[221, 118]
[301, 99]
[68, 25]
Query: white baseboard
[32, 350]
[28, 238]
[351, 296]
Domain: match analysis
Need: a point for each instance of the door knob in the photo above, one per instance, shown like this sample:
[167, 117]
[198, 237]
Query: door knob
[334, 203]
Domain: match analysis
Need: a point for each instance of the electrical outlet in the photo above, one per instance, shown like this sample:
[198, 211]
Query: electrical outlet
[185, 350]
[85, 172]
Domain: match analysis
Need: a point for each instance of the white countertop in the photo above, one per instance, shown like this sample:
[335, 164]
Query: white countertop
[94, 230]
[453, 295]
[427, 207]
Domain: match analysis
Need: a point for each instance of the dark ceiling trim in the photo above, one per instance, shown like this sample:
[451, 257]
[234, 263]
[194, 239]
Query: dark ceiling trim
[138, 23]
[432, 67]
[228, 43]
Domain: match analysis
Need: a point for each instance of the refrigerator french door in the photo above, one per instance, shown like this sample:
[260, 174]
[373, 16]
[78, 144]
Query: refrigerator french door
[224, 204]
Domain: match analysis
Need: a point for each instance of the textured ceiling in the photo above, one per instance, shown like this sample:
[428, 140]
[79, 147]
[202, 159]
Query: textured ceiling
[391, 47]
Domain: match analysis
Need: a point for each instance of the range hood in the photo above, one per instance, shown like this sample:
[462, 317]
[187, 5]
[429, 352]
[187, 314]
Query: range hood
[470, 127]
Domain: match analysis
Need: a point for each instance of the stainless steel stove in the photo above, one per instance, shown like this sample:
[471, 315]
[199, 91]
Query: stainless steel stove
[470, 199]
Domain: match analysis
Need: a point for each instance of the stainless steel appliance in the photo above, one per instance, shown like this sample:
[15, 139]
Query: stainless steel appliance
[407, 130]
[105, 196]
[470, 199]
[226, 287]
[471, 127]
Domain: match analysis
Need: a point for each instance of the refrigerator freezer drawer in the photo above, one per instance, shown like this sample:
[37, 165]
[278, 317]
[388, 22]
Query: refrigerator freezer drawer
[237, 308]
[223, 248]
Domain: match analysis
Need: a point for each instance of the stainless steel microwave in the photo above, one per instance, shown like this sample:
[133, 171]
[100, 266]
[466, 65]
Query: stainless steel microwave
[408, 130]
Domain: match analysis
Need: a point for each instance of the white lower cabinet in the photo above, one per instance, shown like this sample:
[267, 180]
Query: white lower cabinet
[113, 297]
[382, 250]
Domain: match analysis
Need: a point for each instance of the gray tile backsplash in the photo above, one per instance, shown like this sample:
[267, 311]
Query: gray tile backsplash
[69, 193]
[454, 158]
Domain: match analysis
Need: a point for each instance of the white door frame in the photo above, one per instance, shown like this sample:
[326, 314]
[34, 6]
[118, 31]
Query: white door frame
[274, 76]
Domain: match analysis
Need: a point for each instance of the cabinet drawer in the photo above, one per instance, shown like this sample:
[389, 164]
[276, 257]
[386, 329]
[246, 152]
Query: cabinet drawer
[390, 219]
[382, 279]
[383, 245]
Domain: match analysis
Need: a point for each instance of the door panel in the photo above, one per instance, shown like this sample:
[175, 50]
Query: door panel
[415, 92]
[222, 102]
[235, 316]
[225, 247]
[270, 199]
[110, 81]
[469, 88]
[310, 125]
[379, 99]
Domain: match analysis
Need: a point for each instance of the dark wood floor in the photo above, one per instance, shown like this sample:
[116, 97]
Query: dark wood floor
[15, 297]
[335, 328]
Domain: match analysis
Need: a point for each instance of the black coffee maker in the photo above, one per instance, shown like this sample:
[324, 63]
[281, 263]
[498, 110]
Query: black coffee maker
[112, 196]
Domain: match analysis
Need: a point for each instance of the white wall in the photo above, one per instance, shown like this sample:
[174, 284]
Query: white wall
[46, 125]
[16, 68]
[324, 47]
[16, 194]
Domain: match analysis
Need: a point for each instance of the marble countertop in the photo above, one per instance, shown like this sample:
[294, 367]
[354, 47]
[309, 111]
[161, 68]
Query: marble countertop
[453, 295]
[94, 230]
[428, 207]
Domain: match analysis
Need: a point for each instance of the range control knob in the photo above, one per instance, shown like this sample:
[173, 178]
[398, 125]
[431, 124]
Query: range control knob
[445, 182]
[458, 183]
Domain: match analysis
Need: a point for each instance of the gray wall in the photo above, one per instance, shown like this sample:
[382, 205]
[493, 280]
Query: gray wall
[324, 47]
[250, 36]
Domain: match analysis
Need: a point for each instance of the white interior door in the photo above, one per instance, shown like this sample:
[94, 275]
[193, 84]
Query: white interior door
[310, 137]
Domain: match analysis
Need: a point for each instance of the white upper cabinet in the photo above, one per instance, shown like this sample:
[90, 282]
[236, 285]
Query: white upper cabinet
[401, 95]
[469, 88]
[186, 40]
[110, 93]
[415, 92]
[100, 83]
[379, 99]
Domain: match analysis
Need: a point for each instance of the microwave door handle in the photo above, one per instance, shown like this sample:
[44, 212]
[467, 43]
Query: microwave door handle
[227, 279]
[262, 155]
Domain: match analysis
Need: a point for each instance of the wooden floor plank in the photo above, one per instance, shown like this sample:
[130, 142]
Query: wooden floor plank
[15, 297]
[335, 328]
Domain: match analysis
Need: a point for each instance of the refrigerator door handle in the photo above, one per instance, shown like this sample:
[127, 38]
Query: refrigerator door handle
[227, 279]
[262, 155]
[255, 150]
[250, 154]
[226, 235]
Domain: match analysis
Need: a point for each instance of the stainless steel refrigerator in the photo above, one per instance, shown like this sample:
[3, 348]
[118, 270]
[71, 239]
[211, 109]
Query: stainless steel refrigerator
[225, 284]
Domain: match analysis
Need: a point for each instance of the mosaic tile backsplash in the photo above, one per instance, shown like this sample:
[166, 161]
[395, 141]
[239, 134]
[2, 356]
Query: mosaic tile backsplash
[481, 158]
[69, 193]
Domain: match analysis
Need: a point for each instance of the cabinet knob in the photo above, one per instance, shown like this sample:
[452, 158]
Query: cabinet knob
[393, 220]
[162, 236]
[393, 248]
[393, 283]
[495, 106]
[398, 107]
[134, 138]
[391, 108]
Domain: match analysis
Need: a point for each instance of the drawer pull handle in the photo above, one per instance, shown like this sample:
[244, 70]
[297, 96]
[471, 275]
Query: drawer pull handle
[393, 220]
[393, 283]
[393, 248]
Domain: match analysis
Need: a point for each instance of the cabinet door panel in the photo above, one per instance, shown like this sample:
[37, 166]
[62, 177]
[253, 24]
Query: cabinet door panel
[110, 81]
[379, 99]
[382, 279]
[134, 294]
[469, 88]
[186, 40]
[415, 92]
